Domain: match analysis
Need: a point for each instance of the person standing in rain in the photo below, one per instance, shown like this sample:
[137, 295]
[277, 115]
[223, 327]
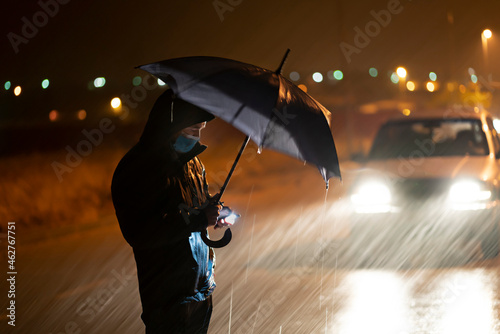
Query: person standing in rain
[163, 205]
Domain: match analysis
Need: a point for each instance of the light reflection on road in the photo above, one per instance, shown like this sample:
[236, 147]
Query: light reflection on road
[376, 303]
[273, 277]
[457, 302]
[468, 306]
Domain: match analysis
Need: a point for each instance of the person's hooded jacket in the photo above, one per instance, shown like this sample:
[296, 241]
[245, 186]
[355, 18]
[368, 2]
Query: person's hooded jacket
[157, 192]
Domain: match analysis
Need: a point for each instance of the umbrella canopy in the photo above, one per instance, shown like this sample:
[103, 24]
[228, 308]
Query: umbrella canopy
[270, 109]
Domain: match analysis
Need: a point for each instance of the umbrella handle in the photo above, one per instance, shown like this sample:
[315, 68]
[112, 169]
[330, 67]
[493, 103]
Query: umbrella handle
[224, 241]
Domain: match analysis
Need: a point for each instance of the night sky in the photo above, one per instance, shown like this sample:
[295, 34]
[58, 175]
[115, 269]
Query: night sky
[86, 39]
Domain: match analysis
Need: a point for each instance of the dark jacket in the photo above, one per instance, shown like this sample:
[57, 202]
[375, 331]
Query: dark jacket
[157, 194]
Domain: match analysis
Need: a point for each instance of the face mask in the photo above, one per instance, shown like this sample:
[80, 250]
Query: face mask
[185, 143]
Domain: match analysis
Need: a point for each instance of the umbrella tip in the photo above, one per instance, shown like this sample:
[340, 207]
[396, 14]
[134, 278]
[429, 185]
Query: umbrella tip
[278, 71]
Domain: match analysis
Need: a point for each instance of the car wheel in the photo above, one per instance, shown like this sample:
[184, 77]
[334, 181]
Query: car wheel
[490, 244]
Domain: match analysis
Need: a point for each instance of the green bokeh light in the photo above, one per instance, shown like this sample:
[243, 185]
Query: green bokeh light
[394, 78]
[136, 81]
[338, 75]
[99, 82]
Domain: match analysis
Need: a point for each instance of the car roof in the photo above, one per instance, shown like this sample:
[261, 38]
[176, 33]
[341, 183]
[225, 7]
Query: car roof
[450, 113]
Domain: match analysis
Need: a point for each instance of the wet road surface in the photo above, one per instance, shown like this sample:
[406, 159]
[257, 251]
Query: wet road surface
[280, 274]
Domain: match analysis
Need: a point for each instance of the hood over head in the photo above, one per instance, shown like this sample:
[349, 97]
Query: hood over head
[168, 116]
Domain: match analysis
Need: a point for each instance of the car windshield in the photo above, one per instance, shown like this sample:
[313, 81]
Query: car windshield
[431, 137]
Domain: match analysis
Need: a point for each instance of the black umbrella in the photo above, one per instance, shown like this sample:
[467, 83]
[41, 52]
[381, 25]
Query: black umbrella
[263, 104]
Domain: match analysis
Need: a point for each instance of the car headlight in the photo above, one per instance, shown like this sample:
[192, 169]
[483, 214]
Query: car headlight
[468, 192]
[372, 196]
[469, 195]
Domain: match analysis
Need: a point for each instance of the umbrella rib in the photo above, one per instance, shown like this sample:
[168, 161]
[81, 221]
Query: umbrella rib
[238, 112]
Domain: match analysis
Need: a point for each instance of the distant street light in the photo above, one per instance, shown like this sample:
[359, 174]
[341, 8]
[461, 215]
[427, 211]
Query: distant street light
[338, 75]
[317, 77]
[116, 103]
[81, 114]
[410, 85]
[401, 72]
[294, 76]
[394, 78]
[53, 115]
[485, 36]
[99, 82]
[430, 86]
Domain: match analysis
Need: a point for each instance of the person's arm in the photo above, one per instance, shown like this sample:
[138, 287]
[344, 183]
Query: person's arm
[159, 224]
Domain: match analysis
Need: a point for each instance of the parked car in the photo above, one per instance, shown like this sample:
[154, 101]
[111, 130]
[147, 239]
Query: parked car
[431, 176]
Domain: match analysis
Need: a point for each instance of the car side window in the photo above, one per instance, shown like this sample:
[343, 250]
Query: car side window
[494, 135]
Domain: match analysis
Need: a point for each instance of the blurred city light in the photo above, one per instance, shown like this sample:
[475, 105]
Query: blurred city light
[294, 76]
[303, 87]
[136, 81]
[496, 124]
[317, 77]
[53, 115]
[410, 85]
[17, 91]
[430, 86]
[7, 85]
[406, 112]
[45, 83]
[394, 77]
[338, 75]
[462, 89]
[116, 103]
[82, 114]
[401, 72]
[373, 72]
[433, 76]
[487, 33]
[161, 83]
[473, 78]
[471, 71]
[99, 82]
